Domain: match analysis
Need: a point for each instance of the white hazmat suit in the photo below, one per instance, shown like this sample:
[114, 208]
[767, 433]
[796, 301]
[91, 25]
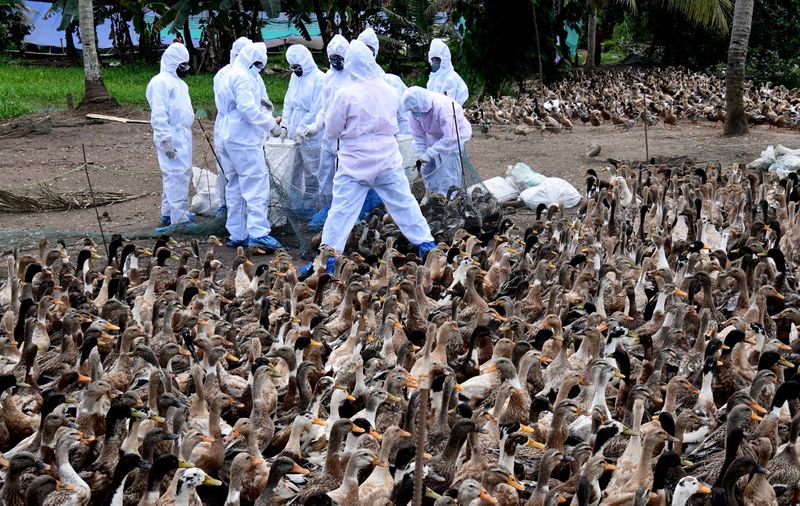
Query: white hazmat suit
[171, 116]
[370, 39]
[219, 85]
[446, 80]
[437, 124]
[334, 79]
[301, 104]
[244, 130]
[363, 117]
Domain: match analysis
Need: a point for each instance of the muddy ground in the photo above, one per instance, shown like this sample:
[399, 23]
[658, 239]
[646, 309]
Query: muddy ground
[122, 158]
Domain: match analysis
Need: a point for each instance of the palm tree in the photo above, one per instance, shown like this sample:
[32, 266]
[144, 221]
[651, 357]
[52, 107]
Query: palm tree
[95, 89]
[735, 119]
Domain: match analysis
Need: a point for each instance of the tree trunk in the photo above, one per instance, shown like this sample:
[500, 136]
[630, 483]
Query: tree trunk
[69, 38]
[735, 119]
[591, 38]
[538, 46]
[187, 40]
[95, 89]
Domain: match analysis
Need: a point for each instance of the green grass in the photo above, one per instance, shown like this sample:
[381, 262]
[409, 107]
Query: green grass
[31, 89]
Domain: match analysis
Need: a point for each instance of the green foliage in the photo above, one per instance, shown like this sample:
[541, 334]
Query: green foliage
[30, 89]
[500, 46]
[769, 65]
[13, 25]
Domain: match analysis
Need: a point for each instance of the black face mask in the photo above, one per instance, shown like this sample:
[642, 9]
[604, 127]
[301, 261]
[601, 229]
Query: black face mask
[182, 70]
[297, 69]
[337, 62]
[435, 64]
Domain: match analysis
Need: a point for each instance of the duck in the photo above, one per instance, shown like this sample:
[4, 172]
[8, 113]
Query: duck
[76, 490]
[127, 463]
[686, 488]
[159, 469]
[185, 493]
[10, 493]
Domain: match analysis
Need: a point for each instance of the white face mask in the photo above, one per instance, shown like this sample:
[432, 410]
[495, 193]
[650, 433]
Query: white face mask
[254, 71]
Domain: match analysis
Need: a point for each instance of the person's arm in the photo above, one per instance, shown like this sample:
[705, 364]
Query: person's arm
[249, 106]
[159, 115]
[310, 118]
[336, 115]
[447, 142]
[418, 133]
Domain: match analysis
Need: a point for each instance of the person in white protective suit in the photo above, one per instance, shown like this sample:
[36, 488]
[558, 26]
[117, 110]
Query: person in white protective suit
[443, 77]
[247, 121]
[437, 124]
[370, 39]
[300, 107]
[171, 116]
[335, 78]
[363, 117]
[219, 85]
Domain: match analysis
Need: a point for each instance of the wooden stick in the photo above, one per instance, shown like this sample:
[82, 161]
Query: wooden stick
[419, 457]
[117, 119]
[91, 192]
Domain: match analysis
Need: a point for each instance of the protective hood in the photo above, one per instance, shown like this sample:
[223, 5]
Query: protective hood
[369, 38]
[416, 99]
[238, 45]
[299, 54]
[338, 45]
[360, 64]
[440, 50]
[250, 54]
[174, 55]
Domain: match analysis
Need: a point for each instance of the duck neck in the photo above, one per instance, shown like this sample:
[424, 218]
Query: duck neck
[184, 495]
[332, 455]
[599, 400]
[131, 443]
[454, 444]
[671, 398]
[681, 496]
[117, 487]
[661, 302]
[444, 407]
[234, 489]
[150, 291]
[387, 349]
[744, 295]
[706, 392]
[293, 445]
[644, 468]
[507, 457]
[66, 472]
[214, 421]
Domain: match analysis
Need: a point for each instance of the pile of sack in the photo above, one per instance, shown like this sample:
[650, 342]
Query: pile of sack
[523, 183]
[778, 159]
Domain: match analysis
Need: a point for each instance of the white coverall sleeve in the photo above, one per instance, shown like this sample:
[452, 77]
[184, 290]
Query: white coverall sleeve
[455, 88]
[159, 115]
[336, 116]
[310, 118]
[249, 106]
[420, 137]
[448, 140]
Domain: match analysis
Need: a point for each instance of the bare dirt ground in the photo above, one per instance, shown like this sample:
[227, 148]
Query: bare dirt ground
[122, 158]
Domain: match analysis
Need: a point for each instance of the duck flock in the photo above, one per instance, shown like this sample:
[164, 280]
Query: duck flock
[640, 351]
[620, 96]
